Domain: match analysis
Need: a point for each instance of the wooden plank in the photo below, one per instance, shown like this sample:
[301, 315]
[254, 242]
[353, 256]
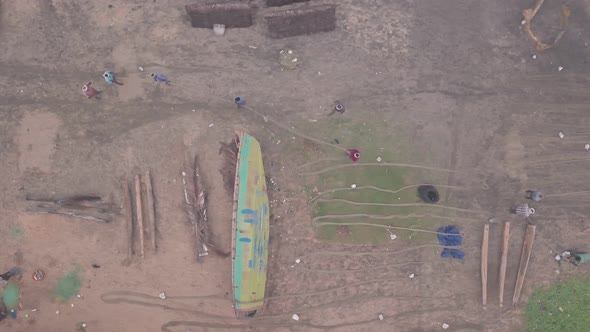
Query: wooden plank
[139, 213]
[151, 207]
[525, 256]
[504, 260]
[128, 213]
[484, 264]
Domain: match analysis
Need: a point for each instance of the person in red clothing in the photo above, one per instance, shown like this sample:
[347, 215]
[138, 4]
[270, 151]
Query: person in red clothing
[354, 154]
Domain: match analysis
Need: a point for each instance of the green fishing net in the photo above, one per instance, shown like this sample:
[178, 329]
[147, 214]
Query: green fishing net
[68, 286]
[10, 296]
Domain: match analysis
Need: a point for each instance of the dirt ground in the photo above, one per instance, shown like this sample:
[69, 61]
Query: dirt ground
[457, 78]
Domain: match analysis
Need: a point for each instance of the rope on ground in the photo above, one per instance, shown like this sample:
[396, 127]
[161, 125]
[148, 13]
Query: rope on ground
[381, 189]
[339, 200]
[327, 223]
[393, 216]
[349, 253]
[333, 168]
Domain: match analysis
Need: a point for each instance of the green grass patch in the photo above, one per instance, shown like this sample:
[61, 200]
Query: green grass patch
[562, 307]
[374, 140]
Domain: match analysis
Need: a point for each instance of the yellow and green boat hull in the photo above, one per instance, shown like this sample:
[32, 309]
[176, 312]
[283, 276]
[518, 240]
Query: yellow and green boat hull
[250, 229]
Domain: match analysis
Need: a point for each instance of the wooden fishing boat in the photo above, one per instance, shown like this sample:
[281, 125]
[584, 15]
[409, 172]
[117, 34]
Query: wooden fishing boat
[250, 228]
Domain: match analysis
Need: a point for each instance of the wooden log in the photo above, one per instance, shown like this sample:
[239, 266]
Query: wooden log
[484, 264]
[128, 213]
[525, 256]
[295, 22]
[139, 213]
[504, 261]
[151, 207]
[230, 14]
[278, 3]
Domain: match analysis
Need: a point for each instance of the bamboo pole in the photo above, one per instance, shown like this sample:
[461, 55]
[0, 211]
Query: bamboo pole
[504, 260]
[484, 264]
[151, 207]
[139, 212]
[525, 256]
[128, 213]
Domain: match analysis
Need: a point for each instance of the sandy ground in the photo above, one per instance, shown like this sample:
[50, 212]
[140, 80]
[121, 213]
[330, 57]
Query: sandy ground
[455, 76]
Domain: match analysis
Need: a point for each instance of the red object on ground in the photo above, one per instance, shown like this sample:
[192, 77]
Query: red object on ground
[354, 154]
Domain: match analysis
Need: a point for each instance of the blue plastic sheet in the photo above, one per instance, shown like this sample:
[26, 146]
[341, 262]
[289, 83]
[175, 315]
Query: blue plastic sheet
[450, 238]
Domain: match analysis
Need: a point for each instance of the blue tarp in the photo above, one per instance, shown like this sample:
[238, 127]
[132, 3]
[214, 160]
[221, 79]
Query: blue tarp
[450, 238]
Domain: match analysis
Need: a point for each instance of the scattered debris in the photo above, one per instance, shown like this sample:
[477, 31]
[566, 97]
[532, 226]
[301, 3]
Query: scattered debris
[561, 135]
[162, 295]
[298, 261]
[558, 257]
[288, 59]
[295, 317]
[428, 194]
[528, 17]
[219, 29]
[140, 68]
[380, 316]
[82, 206]
[445, 326]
